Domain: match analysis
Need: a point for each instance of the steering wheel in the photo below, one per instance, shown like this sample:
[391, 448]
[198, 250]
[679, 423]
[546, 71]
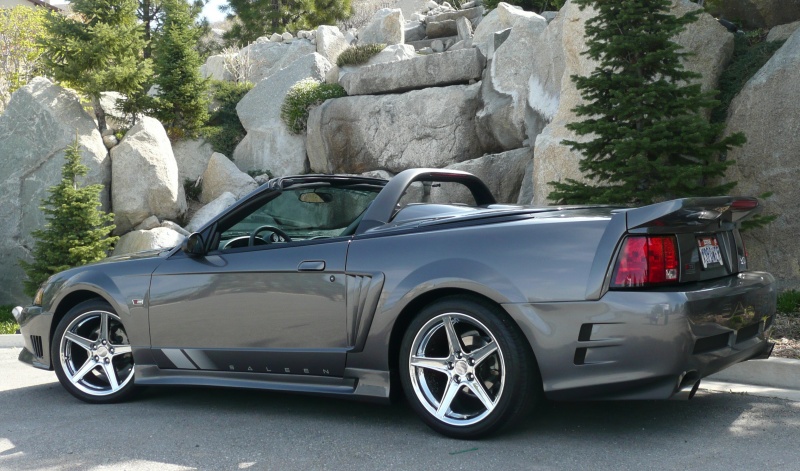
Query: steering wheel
[274, 230]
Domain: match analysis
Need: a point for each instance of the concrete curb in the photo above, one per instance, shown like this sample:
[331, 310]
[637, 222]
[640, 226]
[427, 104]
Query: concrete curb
[780, 373]
[11, 341]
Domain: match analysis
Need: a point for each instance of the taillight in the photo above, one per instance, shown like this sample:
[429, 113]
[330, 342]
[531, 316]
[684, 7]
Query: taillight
[645, 261]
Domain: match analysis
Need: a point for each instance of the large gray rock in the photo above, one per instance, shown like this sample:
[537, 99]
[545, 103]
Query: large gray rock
[507, 115]
[115, 118]
[441, 29]
[41, 120]
[710, 43]
[267, 58]
[783, 32]
[222, 176]
[468, 13]
[330, 42]
[140, 241]
[145, 177]
[269, 145]
[192, 157]
[503, 174]
[214, 69]
[434, 127]
[759, 13]
[503, 17]
[210, 211]
[766, 110]
[435, 70]
[393, 53]
[413, 31]
[386, 27]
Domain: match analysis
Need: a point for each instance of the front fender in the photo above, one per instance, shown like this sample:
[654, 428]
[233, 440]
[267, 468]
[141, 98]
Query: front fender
[119, 291]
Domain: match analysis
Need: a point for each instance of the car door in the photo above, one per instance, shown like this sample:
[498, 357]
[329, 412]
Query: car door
[274, 307]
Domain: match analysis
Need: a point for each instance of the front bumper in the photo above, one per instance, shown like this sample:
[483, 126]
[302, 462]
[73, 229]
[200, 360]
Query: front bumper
[35, 327]
[648, 345]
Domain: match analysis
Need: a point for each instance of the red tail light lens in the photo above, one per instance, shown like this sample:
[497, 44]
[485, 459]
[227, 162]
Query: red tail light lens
[645, 261]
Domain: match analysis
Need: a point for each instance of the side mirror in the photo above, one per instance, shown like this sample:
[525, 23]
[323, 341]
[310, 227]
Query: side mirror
[193, 245]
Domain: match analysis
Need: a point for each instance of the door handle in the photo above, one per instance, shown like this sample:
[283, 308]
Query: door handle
[311, 265]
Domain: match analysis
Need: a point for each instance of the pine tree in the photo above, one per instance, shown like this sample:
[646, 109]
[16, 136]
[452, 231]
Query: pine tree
[256, 18]
[99, 49]
[182, 102]
[648, 138]
[77, 231]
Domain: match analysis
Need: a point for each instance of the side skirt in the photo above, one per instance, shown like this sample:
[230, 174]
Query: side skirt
[366, 385]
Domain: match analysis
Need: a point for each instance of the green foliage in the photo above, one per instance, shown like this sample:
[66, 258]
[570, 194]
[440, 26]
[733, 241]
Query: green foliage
[256, 18]
[750, 53]
[77, 231]
[7, 323]
[192, 189]
[647, 139]
[529, 5]
[789, 302]
[255, 173]
[98, 49]
[360, 54]
[223, 130]
[182, 102]
[304, 95]
[21, 29]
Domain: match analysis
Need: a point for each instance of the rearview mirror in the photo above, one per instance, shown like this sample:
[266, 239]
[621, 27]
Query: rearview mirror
[314, 197]
[193, 245]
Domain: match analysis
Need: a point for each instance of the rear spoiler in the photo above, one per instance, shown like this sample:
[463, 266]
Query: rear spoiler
[692, 214]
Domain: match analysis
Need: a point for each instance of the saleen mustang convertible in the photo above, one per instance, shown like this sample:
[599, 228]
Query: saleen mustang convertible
[346, 286]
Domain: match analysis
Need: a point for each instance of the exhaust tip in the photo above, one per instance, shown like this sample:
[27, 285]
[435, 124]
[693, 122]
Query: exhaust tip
[688, 384]
[694, 390]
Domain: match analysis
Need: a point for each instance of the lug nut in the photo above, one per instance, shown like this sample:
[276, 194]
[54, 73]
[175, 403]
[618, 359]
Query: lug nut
[470, 376]
[111, 350]
[96, 358]
[108, 360]
[472, 362]
[104, 342]
[458, 355]
[457, 379]
[450, 365]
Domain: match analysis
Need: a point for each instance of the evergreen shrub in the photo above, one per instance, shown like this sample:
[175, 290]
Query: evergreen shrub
[77, 230]
[223, 130]
[360, 54]
[304, 95]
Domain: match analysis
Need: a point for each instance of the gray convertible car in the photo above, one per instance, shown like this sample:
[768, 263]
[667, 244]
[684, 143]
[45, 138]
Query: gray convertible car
[348, 286]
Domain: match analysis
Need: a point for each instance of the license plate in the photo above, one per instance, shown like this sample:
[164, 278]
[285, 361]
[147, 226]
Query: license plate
[709, 251]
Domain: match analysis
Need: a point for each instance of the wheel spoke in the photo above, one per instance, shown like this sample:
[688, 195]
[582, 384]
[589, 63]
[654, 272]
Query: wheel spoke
[480, 392]
[88, 366]
[108, 369]
[120, 350]
[447, 398]
[82, 342]
[482, 353]
[435, 364]
[452, 337]
[104, 326]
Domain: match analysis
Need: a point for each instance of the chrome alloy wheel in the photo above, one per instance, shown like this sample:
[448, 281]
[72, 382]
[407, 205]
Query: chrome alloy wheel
[457, 369]
[95, 353]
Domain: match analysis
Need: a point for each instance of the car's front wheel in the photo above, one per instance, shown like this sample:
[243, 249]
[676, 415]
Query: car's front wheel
[92, 355]
[466, 369]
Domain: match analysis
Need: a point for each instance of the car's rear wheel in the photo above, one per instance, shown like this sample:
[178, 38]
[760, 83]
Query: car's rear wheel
[92, 355]
[466, 369]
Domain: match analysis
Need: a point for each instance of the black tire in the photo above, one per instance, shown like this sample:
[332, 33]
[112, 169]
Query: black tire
[509, 377]
[83, 355]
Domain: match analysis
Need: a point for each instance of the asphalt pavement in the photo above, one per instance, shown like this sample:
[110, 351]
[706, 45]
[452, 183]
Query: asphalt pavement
[43, 427]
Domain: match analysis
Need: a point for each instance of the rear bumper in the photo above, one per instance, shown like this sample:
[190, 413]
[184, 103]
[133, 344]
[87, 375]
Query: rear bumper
[648, 345]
